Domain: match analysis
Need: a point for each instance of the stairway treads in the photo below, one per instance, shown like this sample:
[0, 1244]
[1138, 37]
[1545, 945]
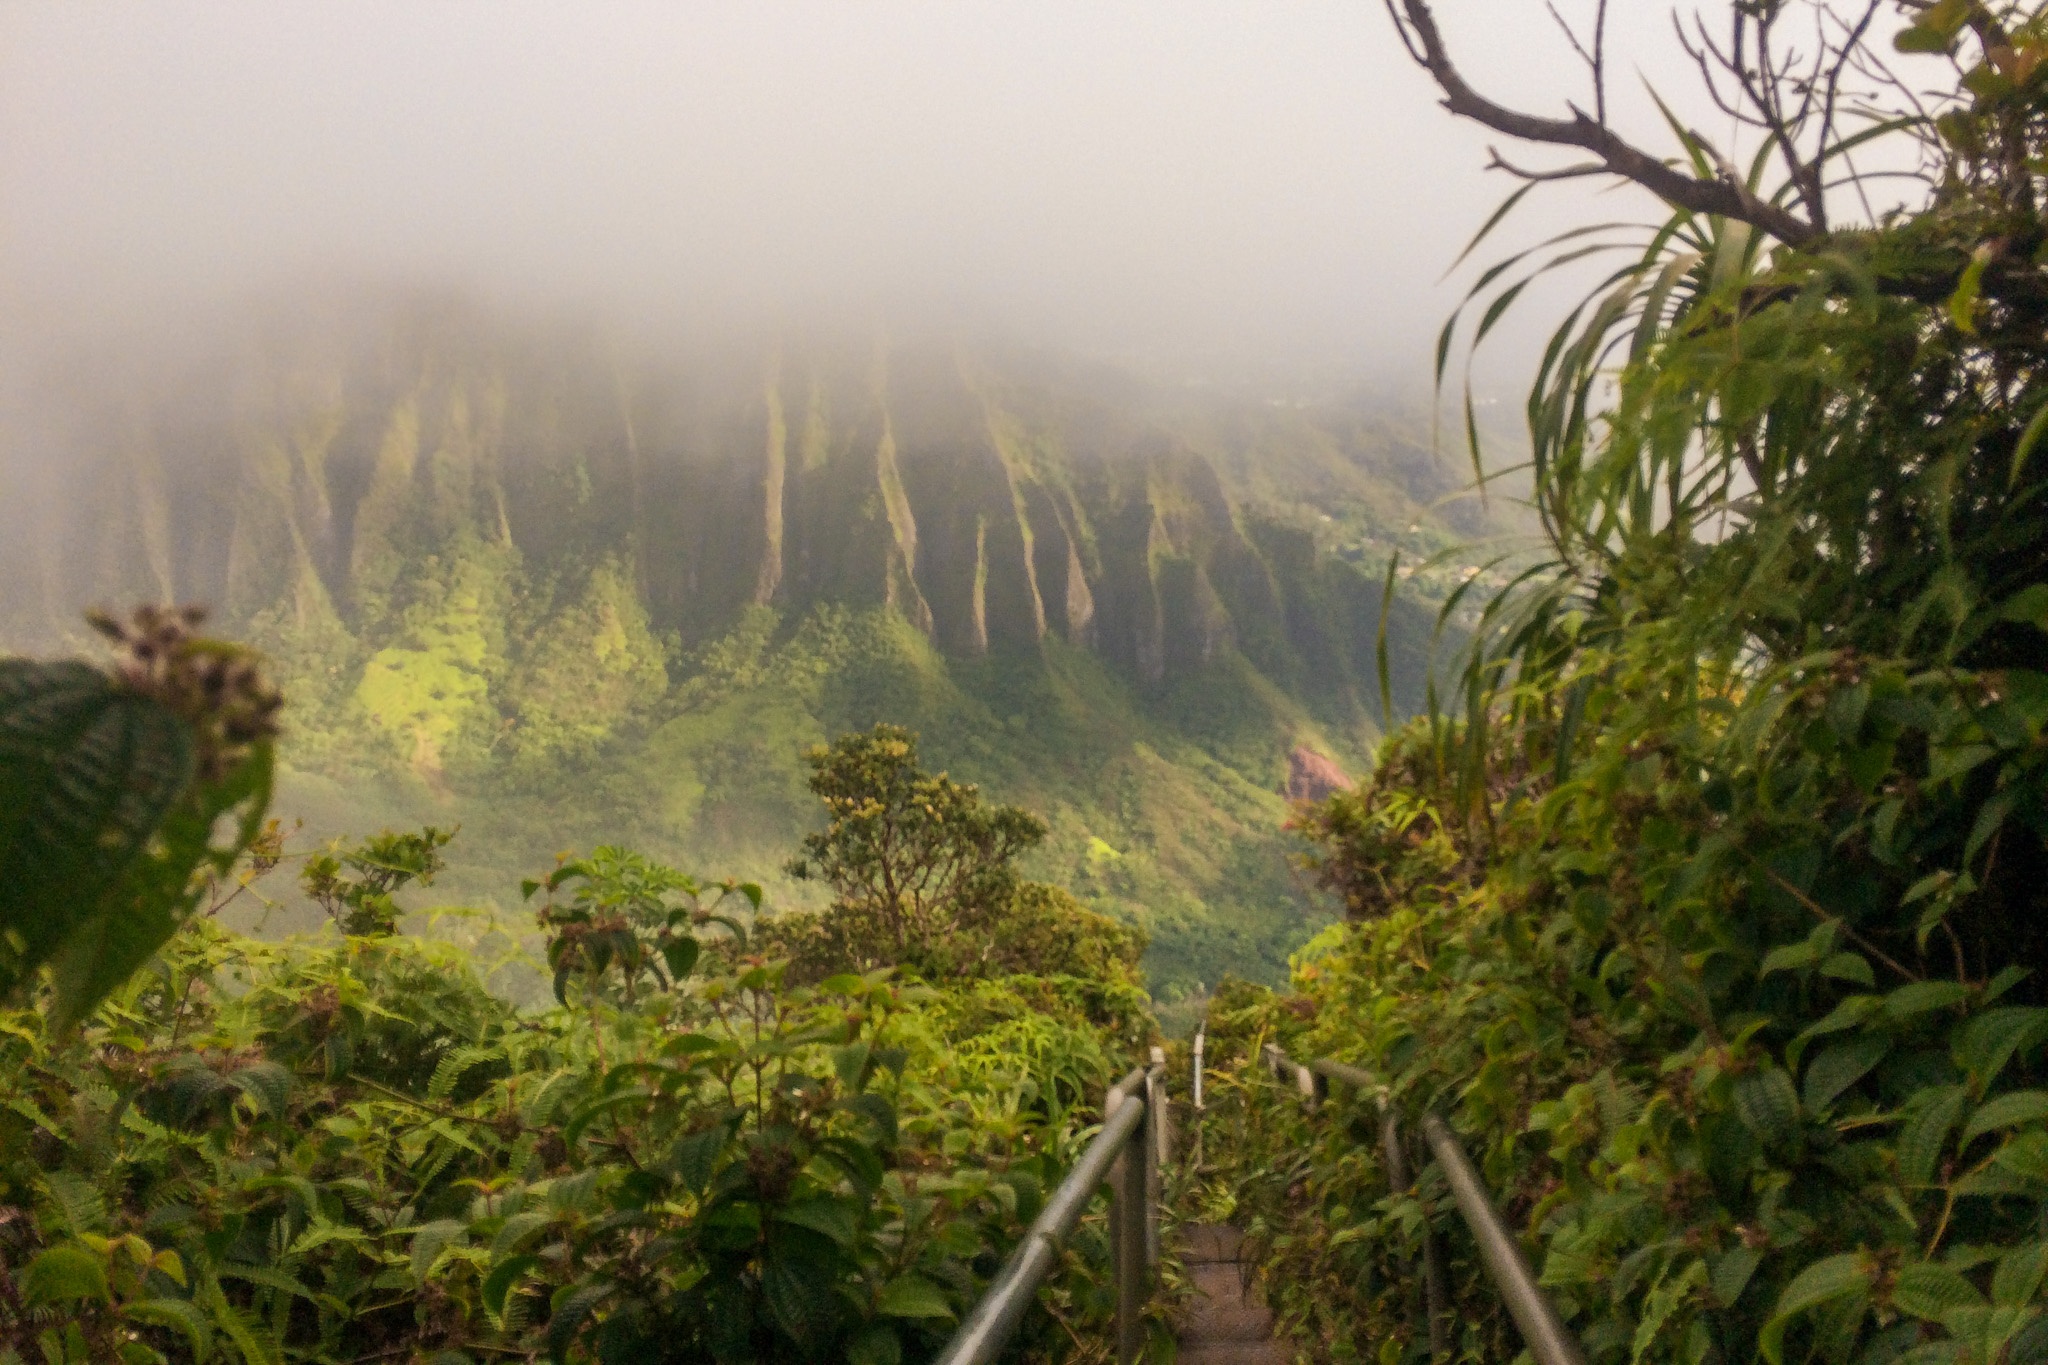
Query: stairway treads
[1226, 1324]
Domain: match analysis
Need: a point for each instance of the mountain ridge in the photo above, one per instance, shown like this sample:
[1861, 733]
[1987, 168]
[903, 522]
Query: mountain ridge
[486, 560]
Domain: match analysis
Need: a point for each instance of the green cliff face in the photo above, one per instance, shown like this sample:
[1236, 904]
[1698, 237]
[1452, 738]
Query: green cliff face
[510, 578]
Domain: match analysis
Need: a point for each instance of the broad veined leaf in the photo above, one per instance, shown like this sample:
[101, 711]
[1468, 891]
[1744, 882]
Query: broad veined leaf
[1930, 1290]
[803, 1302]
[504, 1275]
[1665, 1298]
[518, 1231]
[2019, 1274]
[158, 890]
[1851, 967]
[1985, 1044]
[2006, 1111]
[836, 1218]
[1841, 1066]
[430, 1240]
[913, 1296]
[2025, 1156]
[1732, 1274]
[268, 1086]
[572, 1306]
[1922, 997]
[681, 955]
[65, 1274]
[1825, 1281]
[1925, 1136]
[1768, 1105]
[88, 771]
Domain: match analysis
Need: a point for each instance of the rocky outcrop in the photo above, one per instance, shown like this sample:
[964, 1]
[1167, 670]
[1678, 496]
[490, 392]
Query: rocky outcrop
[1312, 776]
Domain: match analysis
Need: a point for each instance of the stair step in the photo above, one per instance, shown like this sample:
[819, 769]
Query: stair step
[1210, 1242]
[1267, 1352]
[1225, 1324]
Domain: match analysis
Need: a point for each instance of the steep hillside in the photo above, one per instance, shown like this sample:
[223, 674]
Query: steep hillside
[525, 580]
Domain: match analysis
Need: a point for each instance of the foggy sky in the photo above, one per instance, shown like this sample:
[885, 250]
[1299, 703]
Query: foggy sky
[1169, 180]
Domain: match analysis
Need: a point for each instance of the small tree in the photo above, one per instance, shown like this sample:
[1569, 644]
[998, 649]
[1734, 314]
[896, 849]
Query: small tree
[912, 859]
[356, 884]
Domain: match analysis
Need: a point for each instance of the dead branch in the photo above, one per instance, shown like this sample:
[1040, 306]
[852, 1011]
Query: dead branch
[1721, 196]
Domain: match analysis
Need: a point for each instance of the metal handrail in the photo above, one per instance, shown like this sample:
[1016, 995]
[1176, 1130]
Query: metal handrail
[1127, 1154]
[1543, 1332]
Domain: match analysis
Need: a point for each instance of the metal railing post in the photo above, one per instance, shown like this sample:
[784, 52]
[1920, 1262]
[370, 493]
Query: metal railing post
[1549, 1341]
[1543, 1332]
[995, 1316]
[1158, 1155]
[1433, 1306]
[1130, 1187]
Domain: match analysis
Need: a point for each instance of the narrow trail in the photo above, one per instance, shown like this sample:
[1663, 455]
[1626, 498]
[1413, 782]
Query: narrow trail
[1226, 1323]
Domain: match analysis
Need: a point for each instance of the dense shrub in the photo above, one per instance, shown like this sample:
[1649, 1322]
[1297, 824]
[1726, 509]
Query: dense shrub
[1712, 916]
[351, 1148]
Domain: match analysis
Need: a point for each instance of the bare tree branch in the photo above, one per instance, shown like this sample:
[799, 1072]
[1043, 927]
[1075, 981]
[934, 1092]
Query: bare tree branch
[1724, 195]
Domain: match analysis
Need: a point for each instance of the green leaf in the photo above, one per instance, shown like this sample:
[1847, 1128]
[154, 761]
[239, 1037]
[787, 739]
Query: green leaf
[1962, 305]
[1732, 1274]
[1986, 1043]
[1768, 1105]
[1841, 1066]
[681, 956]
[1851, 967]
[1665, 1298]
[1922, 997]
[876, 1344]
[1827, 1280]
[801, 1300]
[88, 773]
[913, 1296]
[1949, 761]
[1930, 1290]
[158, 890]
[2007, 1111]
[429, 1240]
[1925, 1135]
[571, 1307]
[64, 1274]
[178, 1315]
[507, 1273]
[694, 1157]
[2019, 1274]
[2030, 604]
[836, 1218]
[1919, 40]
[268, 1086]
[2026, 1156]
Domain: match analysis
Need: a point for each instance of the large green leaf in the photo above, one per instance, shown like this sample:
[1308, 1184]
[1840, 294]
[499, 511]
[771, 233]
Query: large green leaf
[1826, 1280]
[88, 773]
[2006, 1111]
[1841, 1066]
[913, 1296]
[158, 891]
[1768, 1105]
[64, 1274]
[1930, 1291]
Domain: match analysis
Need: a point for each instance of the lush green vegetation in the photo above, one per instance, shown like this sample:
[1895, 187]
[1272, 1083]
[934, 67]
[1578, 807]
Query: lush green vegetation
[1710, 914]
[347, 1147]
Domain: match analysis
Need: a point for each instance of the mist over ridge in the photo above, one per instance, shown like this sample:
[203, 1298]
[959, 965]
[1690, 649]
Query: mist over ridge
[536, 577]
